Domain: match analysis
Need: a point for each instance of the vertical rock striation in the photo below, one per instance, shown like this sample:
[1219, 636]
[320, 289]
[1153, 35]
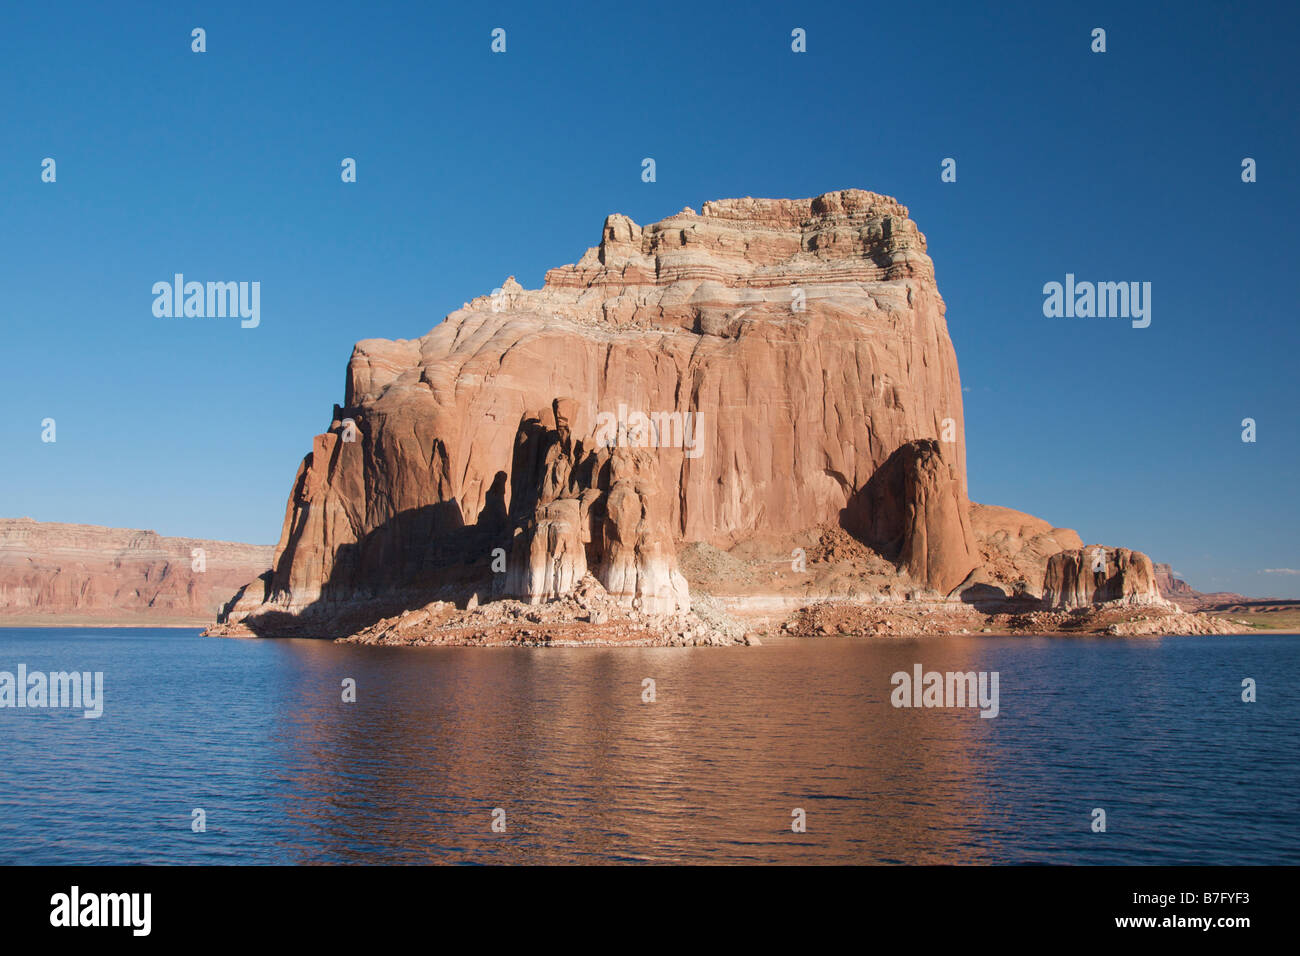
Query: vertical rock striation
[1096, 575]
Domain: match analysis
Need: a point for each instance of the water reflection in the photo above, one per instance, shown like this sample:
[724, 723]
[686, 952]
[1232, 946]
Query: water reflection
[585, 770]
[257, 735]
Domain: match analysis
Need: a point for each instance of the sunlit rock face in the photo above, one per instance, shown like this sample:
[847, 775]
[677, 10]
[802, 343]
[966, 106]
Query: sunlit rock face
[1096, 575]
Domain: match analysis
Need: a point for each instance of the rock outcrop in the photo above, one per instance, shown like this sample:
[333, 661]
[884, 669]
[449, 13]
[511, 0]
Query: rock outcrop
[1172, 587]
[52, 573]
[765, 385]
[1015, 547]
[914, 510]
[587, 614]
[583, 505]
[760, 366]
[1096, 574]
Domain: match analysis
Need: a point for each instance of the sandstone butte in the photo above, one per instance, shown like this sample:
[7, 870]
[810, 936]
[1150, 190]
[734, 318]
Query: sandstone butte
[494, 481]
[53, 573]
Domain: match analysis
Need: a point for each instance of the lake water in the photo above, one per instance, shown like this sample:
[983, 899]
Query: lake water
[255, 733]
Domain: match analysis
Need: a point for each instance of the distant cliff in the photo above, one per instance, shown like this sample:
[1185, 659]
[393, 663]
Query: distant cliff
[1175, 589]
[52, 573]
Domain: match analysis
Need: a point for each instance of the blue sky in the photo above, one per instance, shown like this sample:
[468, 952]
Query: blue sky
[473, 166]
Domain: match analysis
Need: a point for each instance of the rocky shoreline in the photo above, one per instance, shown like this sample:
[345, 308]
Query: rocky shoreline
[590, 617]
[1109, 619]
[586, 616]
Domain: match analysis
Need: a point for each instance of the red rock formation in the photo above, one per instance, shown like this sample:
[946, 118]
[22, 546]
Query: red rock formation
[1015, 547]
[1097, 574]
[592, 506]
[52, 572]
[772, 355]
[1173, 588]
[914, 510]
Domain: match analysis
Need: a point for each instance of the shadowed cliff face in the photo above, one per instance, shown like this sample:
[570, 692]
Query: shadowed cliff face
[913, 511]
[759, 362]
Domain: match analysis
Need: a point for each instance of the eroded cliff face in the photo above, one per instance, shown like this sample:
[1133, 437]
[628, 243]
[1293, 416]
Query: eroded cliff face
[754, 367]
[585, 506]
[914, 511]
[1097, 574]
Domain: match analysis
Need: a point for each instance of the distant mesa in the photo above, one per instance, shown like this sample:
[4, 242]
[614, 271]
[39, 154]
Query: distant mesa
[52, 573]
[1175, 589]
[1170, 585]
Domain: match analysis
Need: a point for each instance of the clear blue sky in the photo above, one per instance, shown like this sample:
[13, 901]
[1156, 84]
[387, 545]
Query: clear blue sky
[473, 166]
